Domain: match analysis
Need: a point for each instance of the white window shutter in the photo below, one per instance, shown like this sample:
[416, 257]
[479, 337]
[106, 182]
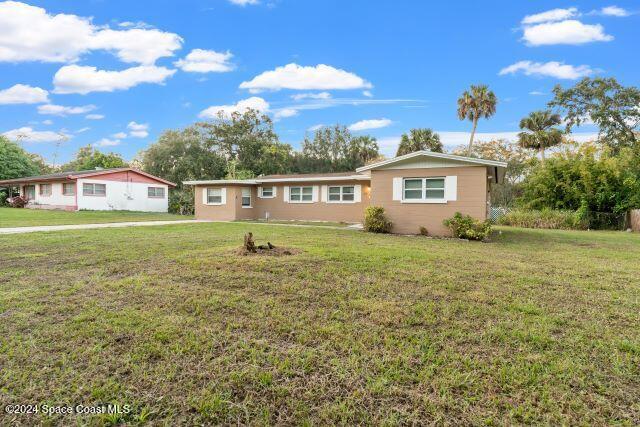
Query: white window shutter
[323, 194]
[275, 193]
[205, 190]
[286, 194]
[451, 188]
[223, 196]
[397, 188]
[357, 193]
[260, 192]
[314, 194]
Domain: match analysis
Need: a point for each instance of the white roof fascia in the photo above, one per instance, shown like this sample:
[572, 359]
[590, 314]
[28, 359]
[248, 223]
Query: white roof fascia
[434, 155]
[221, 182]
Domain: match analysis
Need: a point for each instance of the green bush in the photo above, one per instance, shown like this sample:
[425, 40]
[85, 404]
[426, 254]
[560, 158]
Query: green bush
[546, 218]
[3, 198]
[375, 220]
[467, 227]
[587, 178]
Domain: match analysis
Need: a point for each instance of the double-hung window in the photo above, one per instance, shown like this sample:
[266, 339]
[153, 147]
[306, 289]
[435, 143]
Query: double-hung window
[301, 194]
[214, 196]
[45, 190]
[246, 197]
[341, 194]
[90, 189]
[425, 189]
[266, 192]
[155, 192]
[68, 188]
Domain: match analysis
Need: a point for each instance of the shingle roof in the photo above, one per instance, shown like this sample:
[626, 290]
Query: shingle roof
[76, 174]
[305, 175]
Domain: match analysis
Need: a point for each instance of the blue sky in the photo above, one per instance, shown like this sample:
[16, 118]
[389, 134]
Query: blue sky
[117, 73]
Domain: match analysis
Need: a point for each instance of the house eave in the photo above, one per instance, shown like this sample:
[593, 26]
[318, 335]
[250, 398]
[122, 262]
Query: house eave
[278, 180]
[471, 160]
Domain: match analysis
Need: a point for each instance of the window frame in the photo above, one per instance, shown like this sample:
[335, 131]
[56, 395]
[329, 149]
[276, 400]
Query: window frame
[424, 189]
[93, 192]
[242, 197]
[271, 196]
[209, 202]
[301, 195]
[73, 188]
[41, 193]
[155, 190]
[341, 194]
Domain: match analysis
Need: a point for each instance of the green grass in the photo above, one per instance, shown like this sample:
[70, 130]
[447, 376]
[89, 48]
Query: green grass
[537, 327]
[10, 217]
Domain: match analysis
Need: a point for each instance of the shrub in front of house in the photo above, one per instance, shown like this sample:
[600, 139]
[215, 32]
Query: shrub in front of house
[375, 220]
[545, 218]
[467, 227]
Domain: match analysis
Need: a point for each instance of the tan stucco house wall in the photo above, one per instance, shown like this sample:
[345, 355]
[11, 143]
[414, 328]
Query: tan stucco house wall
[449, 183]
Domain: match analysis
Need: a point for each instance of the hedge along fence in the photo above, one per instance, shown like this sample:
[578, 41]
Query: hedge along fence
[546, 218]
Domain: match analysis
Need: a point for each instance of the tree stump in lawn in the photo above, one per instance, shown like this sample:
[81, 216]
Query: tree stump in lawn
[249, 244]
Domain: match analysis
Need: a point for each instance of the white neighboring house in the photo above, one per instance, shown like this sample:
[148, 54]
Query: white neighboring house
[124, 189]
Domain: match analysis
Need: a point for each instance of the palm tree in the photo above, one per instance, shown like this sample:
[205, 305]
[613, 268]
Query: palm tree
[540, 132]
[418, 140]
[479, 103]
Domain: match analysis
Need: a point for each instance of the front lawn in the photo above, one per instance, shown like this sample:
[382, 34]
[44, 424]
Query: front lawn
[538, 327]
[10, 217]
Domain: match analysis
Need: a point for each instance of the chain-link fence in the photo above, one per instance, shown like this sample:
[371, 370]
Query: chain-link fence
[496, 212]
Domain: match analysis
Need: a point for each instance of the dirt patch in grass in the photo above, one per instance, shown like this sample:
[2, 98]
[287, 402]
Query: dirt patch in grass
[277, 251]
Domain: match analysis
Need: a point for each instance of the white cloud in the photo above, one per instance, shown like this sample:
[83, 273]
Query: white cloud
[61, 110]
[23, 94]
[206, 61]
[84, 129]
[119, 135]
[316, 127]
[370, 124]
[297, 77]
[254, 103]
[311, 95]
[285, 112]
[570, 32]
[367, 93]
[85, 79]
[137, 45]
[94, 116]
[137, 24]
[244, 2]
[47, 122]
[614, 11]
[138, 130]
[29, 33]
[27, 134]
[550, 16]
[549, 69]
[536, 93]
[106, 142]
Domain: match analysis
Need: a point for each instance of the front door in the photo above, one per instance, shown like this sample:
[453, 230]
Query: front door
[30, 192]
